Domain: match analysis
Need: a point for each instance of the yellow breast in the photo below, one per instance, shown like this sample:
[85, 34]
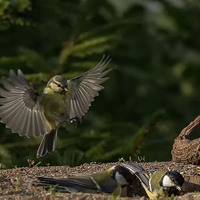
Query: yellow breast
[56, 108]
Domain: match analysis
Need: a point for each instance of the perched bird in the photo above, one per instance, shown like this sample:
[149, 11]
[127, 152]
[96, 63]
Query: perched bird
[157, 183]
[63, 101]
[110, 181]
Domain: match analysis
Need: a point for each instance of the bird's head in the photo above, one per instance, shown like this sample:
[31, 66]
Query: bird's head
[122, 175]
[57, 84]
[172, 182]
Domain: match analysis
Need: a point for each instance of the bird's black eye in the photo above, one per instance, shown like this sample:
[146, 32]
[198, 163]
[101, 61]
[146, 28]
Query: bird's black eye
[58, 84]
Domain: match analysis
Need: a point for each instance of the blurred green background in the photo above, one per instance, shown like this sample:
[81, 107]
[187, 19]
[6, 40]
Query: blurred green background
[154, 87]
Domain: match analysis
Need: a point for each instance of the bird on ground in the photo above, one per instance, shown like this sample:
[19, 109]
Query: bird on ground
[157, 183]
[111, 181]
[62, 102]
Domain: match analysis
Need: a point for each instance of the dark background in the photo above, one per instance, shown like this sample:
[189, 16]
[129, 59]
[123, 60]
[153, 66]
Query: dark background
[154, 87]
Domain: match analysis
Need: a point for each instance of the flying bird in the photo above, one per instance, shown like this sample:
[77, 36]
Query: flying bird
[32, 114]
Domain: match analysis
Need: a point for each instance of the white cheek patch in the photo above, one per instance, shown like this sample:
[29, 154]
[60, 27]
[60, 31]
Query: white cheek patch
[120, 179]
[167, 182]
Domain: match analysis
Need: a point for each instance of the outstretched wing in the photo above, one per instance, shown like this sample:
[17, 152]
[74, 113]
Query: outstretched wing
[87, 86]
[21, 110]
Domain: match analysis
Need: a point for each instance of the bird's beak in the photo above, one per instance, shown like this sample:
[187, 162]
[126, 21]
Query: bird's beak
[178, 188]
[66, 89]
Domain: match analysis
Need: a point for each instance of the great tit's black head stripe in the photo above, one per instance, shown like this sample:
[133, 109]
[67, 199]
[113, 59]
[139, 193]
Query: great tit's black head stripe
[176, 177]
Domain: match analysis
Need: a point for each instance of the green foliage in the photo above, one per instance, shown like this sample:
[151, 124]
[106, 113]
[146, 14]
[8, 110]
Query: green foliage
[10, 13]
[5, 157]
[3, 6]
[154, 46]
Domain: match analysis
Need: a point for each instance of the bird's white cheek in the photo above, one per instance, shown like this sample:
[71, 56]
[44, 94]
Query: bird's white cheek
[167, 182]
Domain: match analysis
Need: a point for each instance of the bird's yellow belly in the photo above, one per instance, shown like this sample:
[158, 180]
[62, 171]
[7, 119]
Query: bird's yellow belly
[56, 109]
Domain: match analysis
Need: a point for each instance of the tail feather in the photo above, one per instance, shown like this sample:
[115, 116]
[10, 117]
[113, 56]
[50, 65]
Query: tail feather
[72, 184]
[52, 181]
[58, 185]
[48, 143]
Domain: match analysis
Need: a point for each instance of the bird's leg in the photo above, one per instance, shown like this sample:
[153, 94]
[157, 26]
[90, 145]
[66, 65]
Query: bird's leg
[74, 119]
[69, 121]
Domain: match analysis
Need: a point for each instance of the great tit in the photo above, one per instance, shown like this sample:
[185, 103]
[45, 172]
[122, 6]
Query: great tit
[157, 183]
[63, 101]
[111, 181]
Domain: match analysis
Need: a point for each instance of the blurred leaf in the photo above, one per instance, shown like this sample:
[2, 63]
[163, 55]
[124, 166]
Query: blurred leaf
[5, 158]
[88, 47]
[21, 5]
[3, 6]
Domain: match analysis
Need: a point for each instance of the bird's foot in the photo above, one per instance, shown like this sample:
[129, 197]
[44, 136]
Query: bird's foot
[74, 119]
[78, 120]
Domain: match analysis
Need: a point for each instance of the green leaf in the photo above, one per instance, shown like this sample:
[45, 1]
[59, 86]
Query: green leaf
[4, 4]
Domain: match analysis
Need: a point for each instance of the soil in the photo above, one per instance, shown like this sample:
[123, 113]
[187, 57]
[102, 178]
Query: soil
[18, 183]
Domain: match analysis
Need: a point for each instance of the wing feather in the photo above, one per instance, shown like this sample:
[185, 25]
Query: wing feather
[28, 123]
[16, 128]
[87, 86]
[20, 108]
[22, 79]
[33, 122]
[5, 93]
[14, 79]
[6, 84]
[10, 113]
[82, 99]
[86, 96]
[80, 104]
[92, 92]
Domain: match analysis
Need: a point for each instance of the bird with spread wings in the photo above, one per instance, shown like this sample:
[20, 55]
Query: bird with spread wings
[31, 114]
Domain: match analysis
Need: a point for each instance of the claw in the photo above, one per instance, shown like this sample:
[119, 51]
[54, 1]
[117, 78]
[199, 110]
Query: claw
[78, 120]
[74, 119]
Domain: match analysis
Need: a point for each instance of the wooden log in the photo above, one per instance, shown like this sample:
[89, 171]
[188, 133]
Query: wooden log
[186, 150]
